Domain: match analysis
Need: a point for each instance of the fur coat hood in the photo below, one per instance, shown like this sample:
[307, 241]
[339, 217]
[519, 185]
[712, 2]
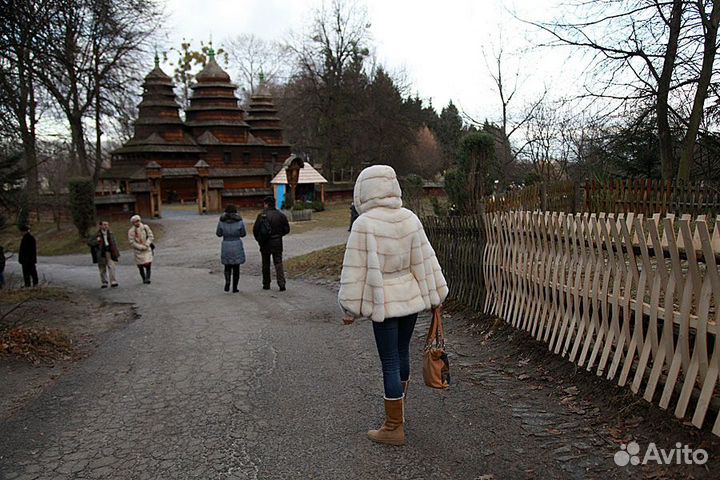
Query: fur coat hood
[389, 269]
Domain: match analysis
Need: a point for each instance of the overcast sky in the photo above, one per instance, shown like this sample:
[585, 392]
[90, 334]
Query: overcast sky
[437, 44]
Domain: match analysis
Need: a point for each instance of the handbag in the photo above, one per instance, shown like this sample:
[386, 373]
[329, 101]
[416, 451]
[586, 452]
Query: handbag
[436, 368]
[152, 245]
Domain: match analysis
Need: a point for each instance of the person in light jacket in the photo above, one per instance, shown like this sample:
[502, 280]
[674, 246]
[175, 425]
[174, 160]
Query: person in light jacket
[141, 240]
[390, 273]
[232, 254]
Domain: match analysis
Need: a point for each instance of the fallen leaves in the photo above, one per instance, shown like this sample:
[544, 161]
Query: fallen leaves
[36, 345]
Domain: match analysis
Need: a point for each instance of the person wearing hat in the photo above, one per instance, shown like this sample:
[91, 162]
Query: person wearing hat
[269, 228]
[141, 240]
[232, 254]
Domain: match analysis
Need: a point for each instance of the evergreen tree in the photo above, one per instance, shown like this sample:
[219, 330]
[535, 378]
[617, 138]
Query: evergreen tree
[449, 131]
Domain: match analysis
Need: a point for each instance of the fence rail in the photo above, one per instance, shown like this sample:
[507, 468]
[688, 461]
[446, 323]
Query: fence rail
[652, 196]
[639, 195]
[635, 299]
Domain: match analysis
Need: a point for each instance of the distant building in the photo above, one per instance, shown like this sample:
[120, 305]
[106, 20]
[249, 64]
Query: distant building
[218, 155]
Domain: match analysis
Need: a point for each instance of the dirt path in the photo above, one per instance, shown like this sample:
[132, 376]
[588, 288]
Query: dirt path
[269, 385]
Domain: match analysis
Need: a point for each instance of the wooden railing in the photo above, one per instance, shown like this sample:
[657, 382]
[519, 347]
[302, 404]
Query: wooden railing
[635, 299]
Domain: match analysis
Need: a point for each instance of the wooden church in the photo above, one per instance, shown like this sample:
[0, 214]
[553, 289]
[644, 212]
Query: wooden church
[219, 154]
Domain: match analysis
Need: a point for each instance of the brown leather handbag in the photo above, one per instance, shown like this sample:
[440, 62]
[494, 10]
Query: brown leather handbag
[436, 368]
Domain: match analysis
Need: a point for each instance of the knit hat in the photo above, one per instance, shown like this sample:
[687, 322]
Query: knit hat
[135, 218]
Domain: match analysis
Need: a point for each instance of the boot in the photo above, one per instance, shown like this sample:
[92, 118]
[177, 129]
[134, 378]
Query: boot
[142, 273]
[391, 432]
[227, 280]
[235, 280]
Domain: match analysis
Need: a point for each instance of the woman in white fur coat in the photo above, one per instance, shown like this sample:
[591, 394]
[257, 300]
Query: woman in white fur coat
[389, 274]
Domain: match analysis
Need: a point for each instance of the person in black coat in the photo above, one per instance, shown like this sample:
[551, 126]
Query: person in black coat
[2, 266]
[354, 214]
[271, 243]
[27, 256]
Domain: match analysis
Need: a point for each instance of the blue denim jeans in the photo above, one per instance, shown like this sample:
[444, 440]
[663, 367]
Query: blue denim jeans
[392, 338]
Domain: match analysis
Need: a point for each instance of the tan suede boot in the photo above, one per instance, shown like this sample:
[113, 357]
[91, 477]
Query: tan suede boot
[391, 432]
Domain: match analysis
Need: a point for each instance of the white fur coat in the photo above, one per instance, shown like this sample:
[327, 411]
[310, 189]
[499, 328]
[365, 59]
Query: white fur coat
[390, 269]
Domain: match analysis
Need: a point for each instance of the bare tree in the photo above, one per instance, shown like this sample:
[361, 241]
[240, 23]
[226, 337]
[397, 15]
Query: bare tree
[330, 62]
[23, 21]
[253, 56]
[513, 120]
[648, 50]
[87, 52]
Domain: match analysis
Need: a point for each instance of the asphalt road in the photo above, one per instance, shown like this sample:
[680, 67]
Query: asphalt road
[257, 385]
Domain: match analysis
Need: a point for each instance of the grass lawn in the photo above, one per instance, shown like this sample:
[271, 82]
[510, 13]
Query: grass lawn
[52, 241]
[325, 263]
[334, 215]
[11, 296]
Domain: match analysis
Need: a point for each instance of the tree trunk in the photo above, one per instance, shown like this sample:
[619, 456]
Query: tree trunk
[710, 25]
[77, 134]
[667, 155]
[98, 127]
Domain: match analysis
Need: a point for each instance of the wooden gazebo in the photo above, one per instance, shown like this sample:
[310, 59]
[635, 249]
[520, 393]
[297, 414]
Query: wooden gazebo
[307, 176]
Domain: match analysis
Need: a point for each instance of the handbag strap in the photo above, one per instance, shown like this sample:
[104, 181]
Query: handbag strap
[435, 332]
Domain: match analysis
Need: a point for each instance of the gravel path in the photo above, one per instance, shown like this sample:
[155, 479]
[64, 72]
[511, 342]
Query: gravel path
[255, 385]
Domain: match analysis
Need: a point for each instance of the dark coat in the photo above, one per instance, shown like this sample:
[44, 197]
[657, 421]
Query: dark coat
[279, 227]
[98, 247]
[28, 250]
[231, 228]
[354, 214]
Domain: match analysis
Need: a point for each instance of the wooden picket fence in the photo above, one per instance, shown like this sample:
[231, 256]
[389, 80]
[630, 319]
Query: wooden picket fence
[638, 195]
[557, 196]
[633, 298]
[642, 195]
[459, 243]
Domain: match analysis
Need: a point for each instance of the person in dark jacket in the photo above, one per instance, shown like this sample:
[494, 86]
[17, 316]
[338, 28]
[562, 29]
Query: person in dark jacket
[105, 254]
[273, 244]
[2, 266]
[353, 215]
[27, 256]
[232, 254]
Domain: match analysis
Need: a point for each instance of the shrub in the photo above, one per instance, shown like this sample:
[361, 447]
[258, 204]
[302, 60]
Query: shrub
[412, 191]
[82, 204]
[439, 209]
[318, 206]
[299, 206]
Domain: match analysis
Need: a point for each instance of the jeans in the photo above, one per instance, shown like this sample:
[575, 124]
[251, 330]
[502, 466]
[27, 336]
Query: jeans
[392, 338]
